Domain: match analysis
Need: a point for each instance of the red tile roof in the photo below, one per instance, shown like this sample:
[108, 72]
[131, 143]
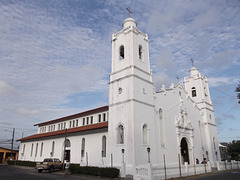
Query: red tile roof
[74, 116]
[69, 131]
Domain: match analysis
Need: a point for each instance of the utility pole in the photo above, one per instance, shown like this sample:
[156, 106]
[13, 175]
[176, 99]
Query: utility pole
[12, 142]
[64, 146]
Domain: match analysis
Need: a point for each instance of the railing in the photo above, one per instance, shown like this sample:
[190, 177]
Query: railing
[152, 172]
[225, 165]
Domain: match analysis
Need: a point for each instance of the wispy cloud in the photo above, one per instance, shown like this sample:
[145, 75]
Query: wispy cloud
[27, 111]
[6, 89]
[220, 81]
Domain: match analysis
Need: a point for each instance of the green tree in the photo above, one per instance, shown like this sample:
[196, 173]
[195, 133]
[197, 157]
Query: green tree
[238, 92]
[233, 149]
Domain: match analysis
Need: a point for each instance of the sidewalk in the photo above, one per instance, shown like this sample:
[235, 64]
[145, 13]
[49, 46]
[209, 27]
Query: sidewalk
[205, 174]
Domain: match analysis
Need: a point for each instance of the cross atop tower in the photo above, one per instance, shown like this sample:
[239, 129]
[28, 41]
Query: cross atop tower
[192, 62]
[129, 12]
[177, 78]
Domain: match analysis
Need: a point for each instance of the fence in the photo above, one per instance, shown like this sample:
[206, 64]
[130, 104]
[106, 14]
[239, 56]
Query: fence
[224, 165]
[157, 172]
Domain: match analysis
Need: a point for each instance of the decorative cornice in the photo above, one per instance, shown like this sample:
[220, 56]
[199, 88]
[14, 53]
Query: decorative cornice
[126, 101]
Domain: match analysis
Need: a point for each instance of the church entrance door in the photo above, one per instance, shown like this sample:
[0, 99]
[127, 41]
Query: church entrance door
[184, 151]
[67, 155]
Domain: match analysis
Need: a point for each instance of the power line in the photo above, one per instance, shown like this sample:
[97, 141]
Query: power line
[18, 128]
[19, 114]
[5, 127]
[224, 93]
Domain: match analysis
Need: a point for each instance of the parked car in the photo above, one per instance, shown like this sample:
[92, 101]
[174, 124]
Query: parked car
[49, 164]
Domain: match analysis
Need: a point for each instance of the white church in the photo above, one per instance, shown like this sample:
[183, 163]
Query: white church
[146, 133]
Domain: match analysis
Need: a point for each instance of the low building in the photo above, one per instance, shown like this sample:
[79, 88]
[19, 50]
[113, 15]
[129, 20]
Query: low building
[7, 154]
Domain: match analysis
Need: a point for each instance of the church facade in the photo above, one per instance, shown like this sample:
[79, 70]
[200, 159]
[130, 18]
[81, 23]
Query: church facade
[142, 129]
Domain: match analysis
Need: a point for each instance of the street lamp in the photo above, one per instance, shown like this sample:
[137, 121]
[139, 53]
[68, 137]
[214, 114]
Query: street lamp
[123, 150]
[148, 151]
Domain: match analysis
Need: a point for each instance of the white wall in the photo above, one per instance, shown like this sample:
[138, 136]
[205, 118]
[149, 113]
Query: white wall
[93, 146]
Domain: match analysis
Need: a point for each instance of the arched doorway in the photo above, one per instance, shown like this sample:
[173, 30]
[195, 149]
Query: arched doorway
[184, 151]
[67, 150]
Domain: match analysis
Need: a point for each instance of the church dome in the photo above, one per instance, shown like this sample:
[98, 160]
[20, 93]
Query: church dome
[194, 72]
[129, 22]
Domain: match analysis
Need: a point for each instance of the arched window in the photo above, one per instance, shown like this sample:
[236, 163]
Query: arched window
[140, 52]
[145, 134]
[121, 52]
[120, 138]
[23, 149]
[36, 150]
[83, 147]
[161, 124]
[194, 93]
[32, 150]
[67, 143]
[53, 146]
[104, 146]
[41, 150]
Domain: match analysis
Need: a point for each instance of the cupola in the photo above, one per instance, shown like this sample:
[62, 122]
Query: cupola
[129, 22]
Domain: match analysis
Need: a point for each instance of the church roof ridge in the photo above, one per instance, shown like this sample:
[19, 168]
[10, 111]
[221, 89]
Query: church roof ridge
[78, 115]
[69, 131]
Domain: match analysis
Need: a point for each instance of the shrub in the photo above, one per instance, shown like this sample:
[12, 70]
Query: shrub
[22, 163]
[94, 171]
[109, 172]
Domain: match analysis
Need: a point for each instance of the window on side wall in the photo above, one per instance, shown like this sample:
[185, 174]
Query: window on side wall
[91, 119]
[41, 150]
[104, 145]
[104, 117]
[99, 118]
[36, 150]
[83, 147]
[32, 150]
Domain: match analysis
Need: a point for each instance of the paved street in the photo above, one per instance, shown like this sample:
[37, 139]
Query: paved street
[27, 173]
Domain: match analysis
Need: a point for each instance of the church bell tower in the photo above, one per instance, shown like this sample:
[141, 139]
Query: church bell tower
[131, 107]
[197, 87]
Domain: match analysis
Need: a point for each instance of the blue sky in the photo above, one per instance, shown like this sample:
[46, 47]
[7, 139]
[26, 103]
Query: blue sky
[55, 55]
